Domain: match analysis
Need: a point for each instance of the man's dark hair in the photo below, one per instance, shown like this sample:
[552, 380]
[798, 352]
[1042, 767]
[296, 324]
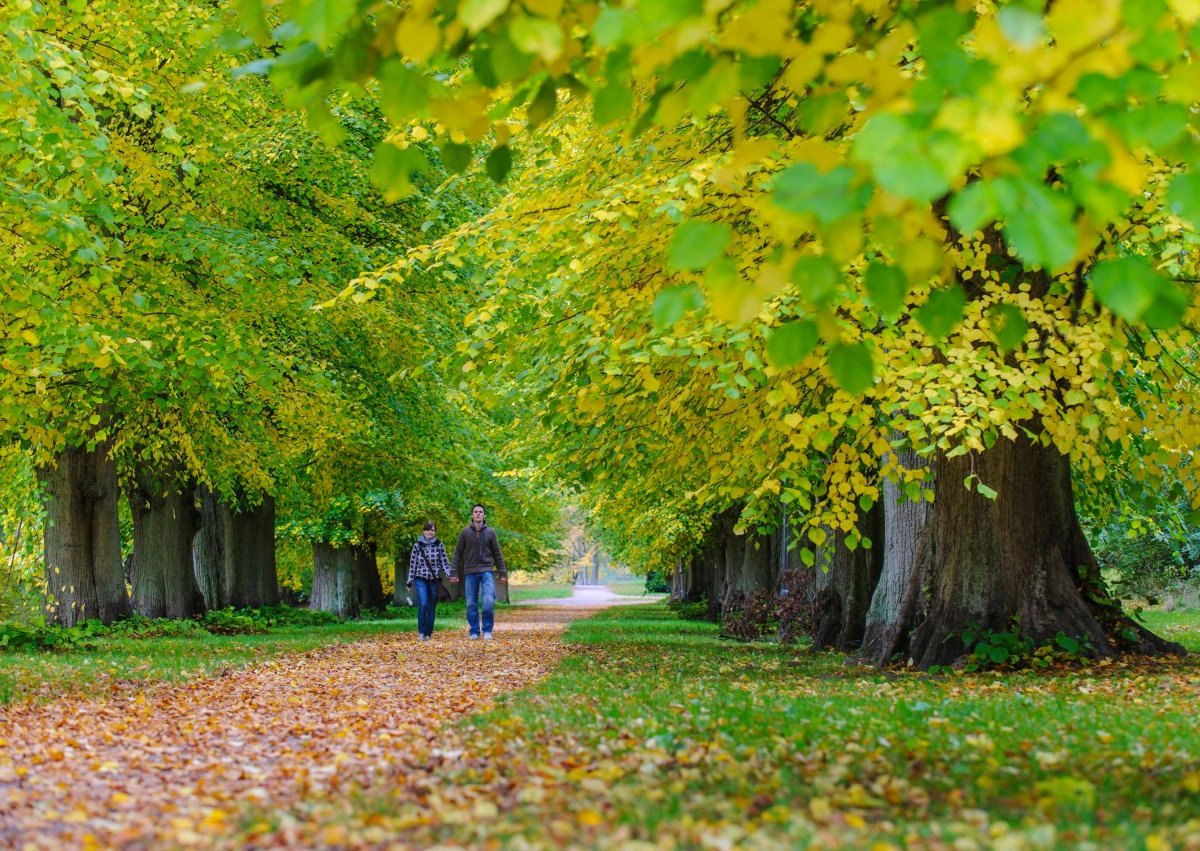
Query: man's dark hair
[479, 505]
[428, 526]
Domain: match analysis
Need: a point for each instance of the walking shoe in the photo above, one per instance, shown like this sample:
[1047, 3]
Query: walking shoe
[487, 636]
[473, 636]
[426, 637]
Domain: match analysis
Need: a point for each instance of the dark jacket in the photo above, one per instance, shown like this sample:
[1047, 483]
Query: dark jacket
[428, 560]
[478, 551]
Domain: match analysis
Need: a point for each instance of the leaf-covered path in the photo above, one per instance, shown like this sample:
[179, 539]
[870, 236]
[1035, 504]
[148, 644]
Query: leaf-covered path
[182, 764]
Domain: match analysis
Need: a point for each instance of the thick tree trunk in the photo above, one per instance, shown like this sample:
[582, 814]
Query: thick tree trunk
[724, 546]
[251, 577]
[208, 549]
[335, 580]
[164, 524]
[903, 522]
[751, 570]
[843, 592]
[370, 586]
[82, 538]
[1021, 556]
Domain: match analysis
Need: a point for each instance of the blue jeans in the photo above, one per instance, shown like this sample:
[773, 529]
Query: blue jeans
[427, 594]
[481, 593]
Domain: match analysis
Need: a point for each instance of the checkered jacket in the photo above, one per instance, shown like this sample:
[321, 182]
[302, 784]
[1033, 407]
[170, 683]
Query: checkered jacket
[428, 560]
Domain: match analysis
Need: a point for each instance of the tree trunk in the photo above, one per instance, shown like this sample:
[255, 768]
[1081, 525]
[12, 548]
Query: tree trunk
[335, 580]
[370, 586]
[251, 577]
[1022, 556]
[208, 549]
[903, 522]
[843, 592]
[82, 538]
[164, 523]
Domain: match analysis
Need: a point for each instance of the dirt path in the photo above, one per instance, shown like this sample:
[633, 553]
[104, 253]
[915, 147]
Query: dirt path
[176, 765]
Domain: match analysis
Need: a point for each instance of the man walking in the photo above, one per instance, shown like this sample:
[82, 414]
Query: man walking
[478, 553]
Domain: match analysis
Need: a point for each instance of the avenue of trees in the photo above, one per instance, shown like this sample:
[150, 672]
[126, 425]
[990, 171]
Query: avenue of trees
[918, 278]
[871, 300]
[175, 240]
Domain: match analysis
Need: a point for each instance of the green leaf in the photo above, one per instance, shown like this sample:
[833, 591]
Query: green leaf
[972, 208]
[887, 287]
[673, 302]
[322, 20]
[610, 26]
[696, 244]
[537, 36]
[852, 366]
[498, 163]
[543, 104]
[1183, 198]
[910, 162]
[612, 103]
[403, 92]
[1023, 27]
[942, 312]
[475, 15]
[791, 343]
[815, 277]
[1132, 289]
[392, 169]
[455, 157]
[990, 493]
[1009, 325]
[802, 188]
[1038, 222]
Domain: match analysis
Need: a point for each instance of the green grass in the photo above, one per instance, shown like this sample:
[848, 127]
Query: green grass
[692, 734]
[538, 591]
[1180, 626]
[631, 588]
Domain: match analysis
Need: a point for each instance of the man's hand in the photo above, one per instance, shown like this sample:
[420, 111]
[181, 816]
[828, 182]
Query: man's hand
[453, 579]
[503, 580]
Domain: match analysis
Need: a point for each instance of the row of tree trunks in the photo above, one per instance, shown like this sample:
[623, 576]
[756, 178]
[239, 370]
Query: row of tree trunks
[182, 560]
[233, 553]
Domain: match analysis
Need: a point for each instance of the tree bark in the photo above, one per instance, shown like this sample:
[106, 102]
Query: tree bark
[1022, 556]
[843, 592]
[370, 586]
[903, 522]
[164, 524]
[251, 577]
[751, 569]
[82, 538]
[335, 580]
[208, 549]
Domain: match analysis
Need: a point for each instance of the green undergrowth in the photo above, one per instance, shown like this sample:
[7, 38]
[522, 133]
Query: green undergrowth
[657, 730]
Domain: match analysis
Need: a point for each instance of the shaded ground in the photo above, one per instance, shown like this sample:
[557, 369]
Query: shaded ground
[178, 764]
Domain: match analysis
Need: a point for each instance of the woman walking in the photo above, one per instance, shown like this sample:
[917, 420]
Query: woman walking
[426, 565]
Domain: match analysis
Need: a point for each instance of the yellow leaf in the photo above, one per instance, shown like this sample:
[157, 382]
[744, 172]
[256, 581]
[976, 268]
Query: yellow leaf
[590, 818]
[417, 38]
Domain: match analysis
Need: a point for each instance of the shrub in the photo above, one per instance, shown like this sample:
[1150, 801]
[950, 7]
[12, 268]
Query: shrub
[656, 582]
[751, 618]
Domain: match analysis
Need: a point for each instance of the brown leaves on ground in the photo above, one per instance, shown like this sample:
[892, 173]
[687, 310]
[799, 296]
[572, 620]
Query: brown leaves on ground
[180, 765]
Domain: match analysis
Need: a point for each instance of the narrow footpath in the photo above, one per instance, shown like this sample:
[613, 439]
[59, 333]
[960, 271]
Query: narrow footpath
[192, 764]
